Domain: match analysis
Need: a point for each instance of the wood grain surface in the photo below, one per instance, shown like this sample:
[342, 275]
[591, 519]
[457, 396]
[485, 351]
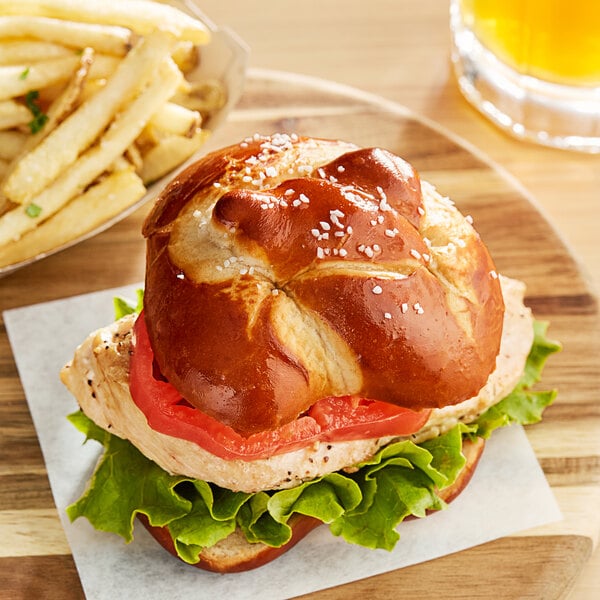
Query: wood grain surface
[35, 559]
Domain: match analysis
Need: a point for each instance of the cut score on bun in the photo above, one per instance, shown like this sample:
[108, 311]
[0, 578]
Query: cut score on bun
[324, 338]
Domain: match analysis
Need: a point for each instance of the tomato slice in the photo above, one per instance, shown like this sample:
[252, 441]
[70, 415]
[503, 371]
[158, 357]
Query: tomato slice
[354, 418]
[330, 419]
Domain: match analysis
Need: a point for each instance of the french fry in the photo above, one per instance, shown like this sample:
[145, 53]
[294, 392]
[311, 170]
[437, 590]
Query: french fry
[100, 203]
[176, 119]
[58, 110]
[110, 39]
[11, 143]
[13, 114]
[202, 96]
[133, 157]
[104, 66]
[61, 148]
[140, 16]
[92, 87]
[3, 168]
[19, 52]
[122, 132]
[186, 55]
[168, 154]
[17, 80]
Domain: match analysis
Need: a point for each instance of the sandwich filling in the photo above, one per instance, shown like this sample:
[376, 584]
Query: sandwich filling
[398, 479]
[99, 377]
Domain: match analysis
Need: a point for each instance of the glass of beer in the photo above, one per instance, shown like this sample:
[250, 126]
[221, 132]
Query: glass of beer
[532, 67]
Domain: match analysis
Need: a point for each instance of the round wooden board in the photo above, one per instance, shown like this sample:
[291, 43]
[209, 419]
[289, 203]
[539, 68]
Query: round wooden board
[537, 564]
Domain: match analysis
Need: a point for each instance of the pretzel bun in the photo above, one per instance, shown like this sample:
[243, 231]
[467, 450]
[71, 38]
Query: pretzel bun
[283, 269]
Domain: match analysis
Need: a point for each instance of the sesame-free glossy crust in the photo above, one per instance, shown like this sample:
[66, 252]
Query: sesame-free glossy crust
[284, 269]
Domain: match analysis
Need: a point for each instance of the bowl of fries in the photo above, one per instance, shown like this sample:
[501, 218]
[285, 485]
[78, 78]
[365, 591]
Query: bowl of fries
[101, 102]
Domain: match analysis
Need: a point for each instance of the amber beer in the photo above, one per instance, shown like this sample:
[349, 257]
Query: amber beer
[532, 66]
[554, 40]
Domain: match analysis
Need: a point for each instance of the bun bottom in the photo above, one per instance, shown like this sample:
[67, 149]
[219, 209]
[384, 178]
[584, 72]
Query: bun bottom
[235, 554]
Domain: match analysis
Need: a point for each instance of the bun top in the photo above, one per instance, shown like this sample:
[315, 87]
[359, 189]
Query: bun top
[283, 270]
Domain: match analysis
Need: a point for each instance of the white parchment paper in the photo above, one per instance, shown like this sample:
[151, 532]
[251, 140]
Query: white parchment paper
[508, 492]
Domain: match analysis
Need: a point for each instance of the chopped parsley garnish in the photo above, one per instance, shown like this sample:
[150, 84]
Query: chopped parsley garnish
[24, 73]
[39, 117]
[33, 210]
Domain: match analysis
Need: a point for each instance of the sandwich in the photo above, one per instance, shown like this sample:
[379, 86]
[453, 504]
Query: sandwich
[322, 338]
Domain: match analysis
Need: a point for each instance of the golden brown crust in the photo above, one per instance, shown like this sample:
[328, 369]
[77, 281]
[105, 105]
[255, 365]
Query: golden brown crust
[234, 554]
[286, 269]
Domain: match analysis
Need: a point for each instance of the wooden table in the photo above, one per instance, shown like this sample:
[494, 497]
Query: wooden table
[397, 50]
